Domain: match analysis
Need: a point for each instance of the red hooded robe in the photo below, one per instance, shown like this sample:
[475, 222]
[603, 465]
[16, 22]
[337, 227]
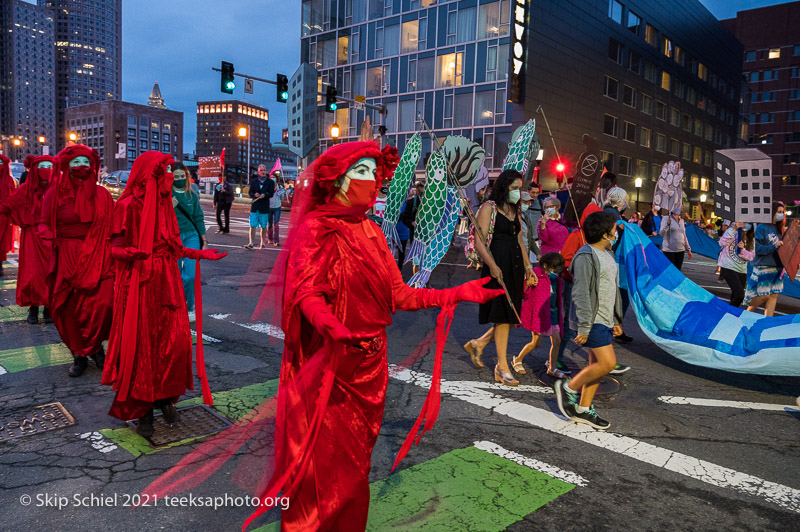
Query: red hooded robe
[76, 218]
[150, 350]
[6, 188]
[24, 208]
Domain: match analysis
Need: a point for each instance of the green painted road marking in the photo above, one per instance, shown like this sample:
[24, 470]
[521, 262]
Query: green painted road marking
[23, 358]
[466, 489]
[8, 284]
[13, 313]
[232, 404]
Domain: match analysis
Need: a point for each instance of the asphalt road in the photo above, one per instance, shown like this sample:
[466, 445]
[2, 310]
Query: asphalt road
[497, 459]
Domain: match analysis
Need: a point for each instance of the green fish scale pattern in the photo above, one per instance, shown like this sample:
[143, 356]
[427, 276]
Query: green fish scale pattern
[518, 150]
[398, 190]
[434, 199]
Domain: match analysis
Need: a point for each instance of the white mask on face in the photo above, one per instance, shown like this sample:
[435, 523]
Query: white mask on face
[525, 207]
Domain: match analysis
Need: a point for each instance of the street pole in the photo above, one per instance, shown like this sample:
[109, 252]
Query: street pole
[249, 134]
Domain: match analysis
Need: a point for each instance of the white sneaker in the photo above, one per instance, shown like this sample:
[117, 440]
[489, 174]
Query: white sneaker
[192, 316]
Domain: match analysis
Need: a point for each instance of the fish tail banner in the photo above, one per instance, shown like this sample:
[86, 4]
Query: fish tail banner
[695, 326]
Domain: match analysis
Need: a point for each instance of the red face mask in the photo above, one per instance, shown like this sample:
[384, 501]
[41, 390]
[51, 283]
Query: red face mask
[81, 173]
[44, 175]
[361, 193]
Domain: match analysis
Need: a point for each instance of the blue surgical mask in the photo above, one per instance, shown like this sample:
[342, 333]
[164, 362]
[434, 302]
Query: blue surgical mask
[513, 196]
[525, 207]
[616, 237]
[551, 211]
[553, 275]
[779, 217]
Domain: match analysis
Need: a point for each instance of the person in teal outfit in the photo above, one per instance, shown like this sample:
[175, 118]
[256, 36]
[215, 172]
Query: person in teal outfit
[191, 226]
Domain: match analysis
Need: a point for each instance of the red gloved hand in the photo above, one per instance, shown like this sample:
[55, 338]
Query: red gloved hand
[473, 291]
[317, 312]
[206, 254]
[128, 254]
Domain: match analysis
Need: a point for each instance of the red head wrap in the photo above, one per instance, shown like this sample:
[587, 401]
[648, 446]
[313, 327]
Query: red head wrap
[32, 189]
[28, 160]
[6, 181]
[84, 190]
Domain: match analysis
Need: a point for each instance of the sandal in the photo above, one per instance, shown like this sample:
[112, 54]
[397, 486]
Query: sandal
[248, 246]
[505, 378]
[564, 371]
[518, 367]
[557, 374]
[471, 347]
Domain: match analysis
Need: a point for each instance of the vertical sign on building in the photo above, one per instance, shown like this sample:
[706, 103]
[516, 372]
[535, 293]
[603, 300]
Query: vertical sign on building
[519, 50]
[302, 110]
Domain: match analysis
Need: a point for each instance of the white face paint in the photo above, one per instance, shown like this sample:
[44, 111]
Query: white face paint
[363, 170]
[45, 164]
[79, 161]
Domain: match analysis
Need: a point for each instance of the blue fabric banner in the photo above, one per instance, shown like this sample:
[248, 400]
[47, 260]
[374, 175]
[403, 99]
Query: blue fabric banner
[695, 326]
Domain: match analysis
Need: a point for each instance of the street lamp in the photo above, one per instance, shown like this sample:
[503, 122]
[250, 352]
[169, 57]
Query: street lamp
[17, 142]
[335, 132]
[72, 137]
[703, 198]
[42, 140]
[638, 184]
[243, 134]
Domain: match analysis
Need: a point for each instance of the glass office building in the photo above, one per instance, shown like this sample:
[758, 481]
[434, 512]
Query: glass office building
[651, 81]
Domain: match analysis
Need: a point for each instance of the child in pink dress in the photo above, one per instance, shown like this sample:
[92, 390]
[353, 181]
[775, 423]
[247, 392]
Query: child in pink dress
[542, 312]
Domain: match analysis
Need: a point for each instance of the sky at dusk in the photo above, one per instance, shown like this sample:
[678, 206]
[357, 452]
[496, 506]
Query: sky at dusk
[178, 41]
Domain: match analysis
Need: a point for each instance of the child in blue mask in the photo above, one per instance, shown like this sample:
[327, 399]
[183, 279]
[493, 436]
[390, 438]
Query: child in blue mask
[542, 312]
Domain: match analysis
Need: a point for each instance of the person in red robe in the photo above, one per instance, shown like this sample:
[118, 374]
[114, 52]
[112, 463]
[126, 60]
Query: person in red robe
[24, 208]
[150, 351]
[7, 186]
[340, 290]
[76, 219]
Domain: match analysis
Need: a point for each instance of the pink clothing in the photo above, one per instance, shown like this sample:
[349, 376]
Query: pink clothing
[552, 236]
[537, 302]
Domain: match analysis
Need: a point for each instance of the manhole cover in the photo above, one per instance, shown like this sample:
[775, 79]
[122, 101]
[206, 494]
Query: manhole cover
[195, 421]
[34, 420]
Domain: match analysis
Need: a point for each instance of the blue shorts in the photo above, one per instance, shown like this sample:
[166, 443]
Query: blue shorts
[599, 336]
[258, 219]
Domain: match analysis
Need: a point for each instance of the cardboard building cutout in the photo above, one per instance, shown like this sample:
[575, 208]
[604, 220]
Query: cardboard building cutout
[743, 185]
[669, 188]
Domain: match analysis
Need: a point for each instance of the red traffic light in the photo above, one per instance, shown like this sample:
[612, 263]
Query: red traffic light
[560, 167]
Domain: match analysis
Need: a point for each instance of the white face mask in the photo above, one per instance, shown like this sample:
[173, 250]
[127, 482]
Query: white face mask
[525, 207]
[513, 196]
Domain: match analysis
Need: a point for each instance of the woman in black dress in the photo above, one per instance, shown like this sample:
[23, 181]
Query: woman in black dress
[508, 262]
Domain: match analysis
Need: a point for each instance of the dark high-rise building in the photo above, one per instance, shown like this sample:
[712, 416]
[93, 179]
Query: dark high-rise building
[88, 39]
[651, 81]
[771, 40]
[218, 124]
[27, 78]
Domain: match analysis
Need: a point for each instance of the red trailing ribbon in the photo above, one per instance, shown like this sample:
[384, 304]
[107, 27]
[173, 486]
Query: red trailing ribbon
[430, 409]
[200, 362]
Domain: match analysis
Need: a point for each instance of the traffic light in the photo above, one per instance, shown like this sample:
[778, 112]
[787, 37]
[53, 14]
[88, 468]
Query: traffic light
[330, 99]
[283, 88]
[226, 79]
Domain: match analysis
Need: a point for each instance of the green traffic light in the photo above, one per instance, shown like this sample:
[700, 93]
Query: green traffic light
[333, 107]
[230, 85]
[284, 96]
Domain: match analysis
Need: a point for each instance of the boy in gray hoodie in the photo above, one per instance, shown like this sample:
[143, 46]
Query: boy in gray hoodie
[596, 313]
